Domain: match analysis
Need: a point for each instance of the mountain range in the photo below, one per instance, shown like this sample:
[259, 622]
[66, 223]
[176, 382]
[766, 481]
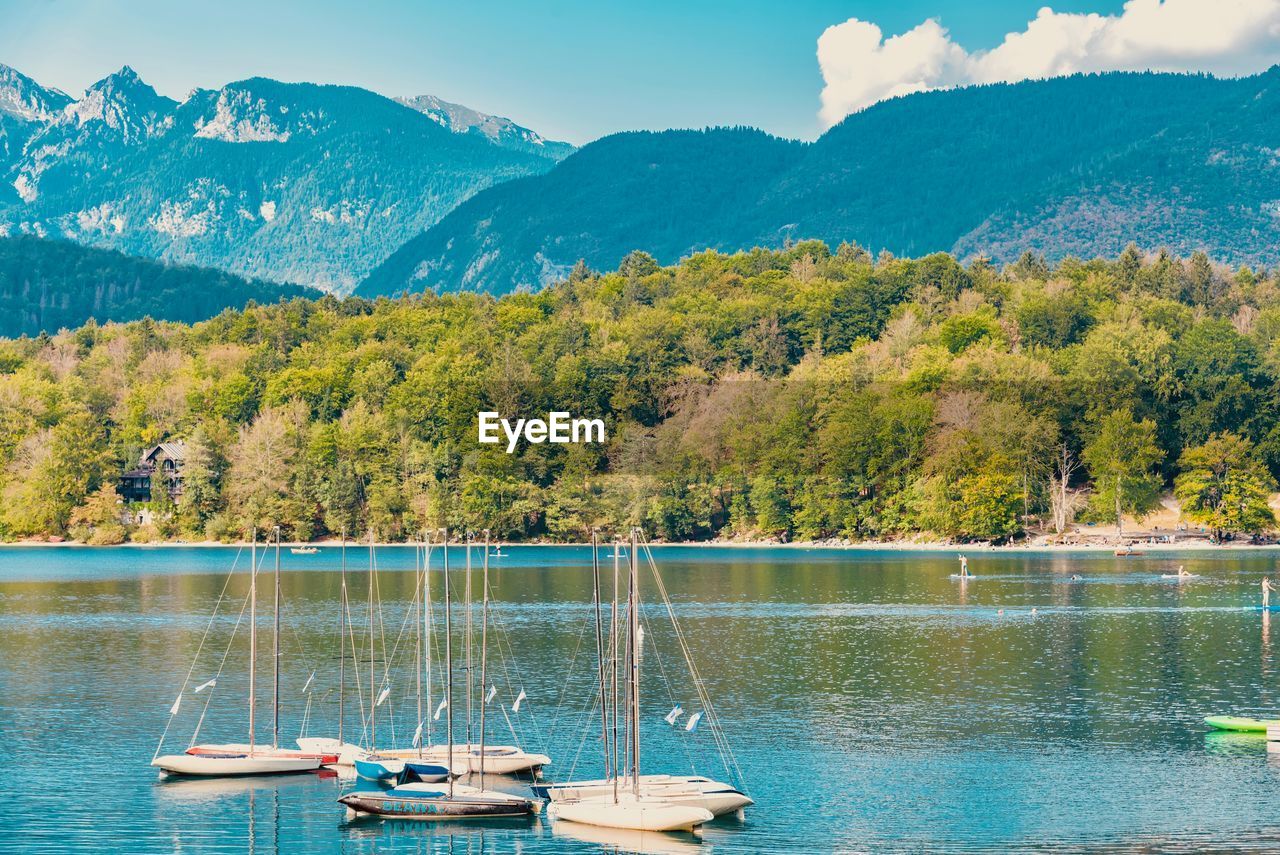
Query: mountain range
[293, 182]
[1079, 165]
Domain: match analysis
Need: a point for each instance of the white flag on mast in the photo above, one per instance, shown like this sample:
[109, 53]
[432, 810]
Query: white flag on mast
[519, 699]
[676, 712]
[493, 690]
[417, 736]
[206, 685]
[382, 696]
[440, 709]
[173, 710]
[692, 724]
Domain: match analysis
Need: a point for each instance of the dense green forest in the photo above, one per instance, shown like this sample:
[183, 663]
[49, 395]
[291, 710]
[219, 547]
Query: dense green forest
[46, 285]
[1082, 164]
[796, 394]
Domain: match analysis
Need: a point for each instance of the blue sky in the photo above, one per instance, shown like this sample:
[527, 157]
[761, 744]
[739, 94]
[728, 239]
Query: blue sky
[570, 70]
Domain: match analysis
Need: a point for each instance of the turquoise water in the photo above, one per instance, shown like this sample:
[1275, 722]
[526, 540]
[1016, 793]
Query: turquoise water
[872, 703]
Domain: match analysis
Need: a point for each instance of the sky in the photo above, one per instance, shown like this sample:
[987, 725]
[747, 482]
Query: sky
[579, 70]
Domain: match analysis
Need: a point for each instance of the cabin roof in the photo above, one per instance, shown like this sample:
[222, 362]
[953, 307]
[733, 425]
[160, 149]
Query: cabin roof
[174, 449]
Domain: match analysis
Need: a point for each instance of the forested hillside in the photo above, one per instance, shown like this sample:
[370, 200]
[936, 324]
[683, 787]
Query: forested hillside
[796, 394]
[1080, 166]
[46, 285]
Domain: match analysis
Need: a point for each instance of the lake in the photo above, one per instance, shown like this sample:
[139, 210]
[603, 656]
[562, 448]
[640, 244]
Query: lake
[871, 702]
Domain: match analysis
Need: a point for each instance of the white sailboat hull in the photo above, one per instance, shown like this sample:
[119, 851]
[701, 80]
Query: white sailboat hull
[631, 813]
[687, 790]
[345, 751]
[226, 765]
[498, 759]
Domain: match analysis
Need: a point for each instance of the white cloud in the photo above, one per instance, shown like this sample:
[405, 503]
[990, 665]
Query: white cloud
[1225, 37]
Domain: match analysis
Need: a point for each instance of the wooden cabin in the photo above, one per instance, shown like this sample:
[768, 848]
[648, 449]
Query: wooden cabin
[160, 461]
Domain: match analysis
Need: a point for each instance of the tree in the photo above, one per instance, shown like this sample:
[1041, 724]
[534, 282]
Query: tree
[98, 520]
[1225, 486]
[1121, 458]
[1063, 501]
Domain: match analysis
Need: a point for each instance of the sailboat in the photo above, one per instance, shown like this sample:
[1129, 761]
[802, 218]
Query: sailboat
[501, 759]
[392, 765]
[411, 799]
[227, 759]
[627, 799]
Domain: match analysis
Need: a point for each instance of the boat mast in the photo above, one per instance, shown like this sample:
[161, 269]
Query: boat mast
[275, 655]
[595, 597]
[634, 610]
[448, 666]
[417, 569]
[467, 637]
[426, 618]
[373, 689]
[613, 666]
[253, 632]
[484, 644]
[342, 638]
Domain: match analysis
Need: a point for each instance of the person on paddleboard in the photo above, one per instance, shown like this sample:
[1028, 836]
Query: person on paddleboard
[1266, 592]
[964, 567]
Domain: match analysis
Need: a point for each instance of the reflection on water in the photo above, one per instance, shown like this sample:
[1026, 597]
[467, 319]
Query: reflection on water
[872, 701]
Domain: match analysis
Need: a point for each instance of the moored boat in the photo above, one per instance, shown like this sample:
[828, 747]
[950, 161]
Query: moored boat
[631, 812]
[234, 764]
[688, 790]
[414, 798]
[499, 759]
[433, 802]
[325, 758]
[624, 798]
[248, 758]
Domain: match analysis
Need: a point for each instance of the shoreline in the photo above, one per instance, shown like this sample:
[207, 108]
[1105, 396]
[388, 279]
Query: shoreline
[1191, 546]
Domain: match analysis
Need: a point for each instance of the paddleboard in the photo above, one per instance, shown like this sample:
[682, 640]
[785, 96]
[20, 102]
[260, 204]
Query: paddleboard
[962, 578]
[1176, 576]
[1239, 724]
[1266, 608]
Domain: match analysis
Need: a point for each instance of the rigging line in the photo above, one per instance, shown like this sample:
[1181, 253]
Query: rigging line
[200, 647]
[506, 654]
[195, 734]
[507, 666]
[564, 689]
[395, 651]
[715, 725]
[713, 719]
[587, 714]
[662, 669]
[355, 664]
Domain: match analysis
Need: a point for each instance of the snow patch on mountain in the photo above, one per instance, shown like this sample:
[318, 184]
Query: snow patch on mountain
[26, 188]
[499, 130]
[347, 212]
[241, 118]
[101, 218]
[181, 219]
[267, 210]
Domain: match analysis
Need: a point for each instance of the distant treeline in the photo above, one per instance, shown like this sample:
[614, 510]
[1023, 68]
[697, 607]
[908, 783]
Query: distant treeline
[46, 285]
[795, 394]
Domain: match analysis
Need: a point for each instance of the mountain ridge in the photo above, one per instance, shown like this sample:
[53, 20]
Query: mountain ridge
[1078, 165]
[293, 182]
